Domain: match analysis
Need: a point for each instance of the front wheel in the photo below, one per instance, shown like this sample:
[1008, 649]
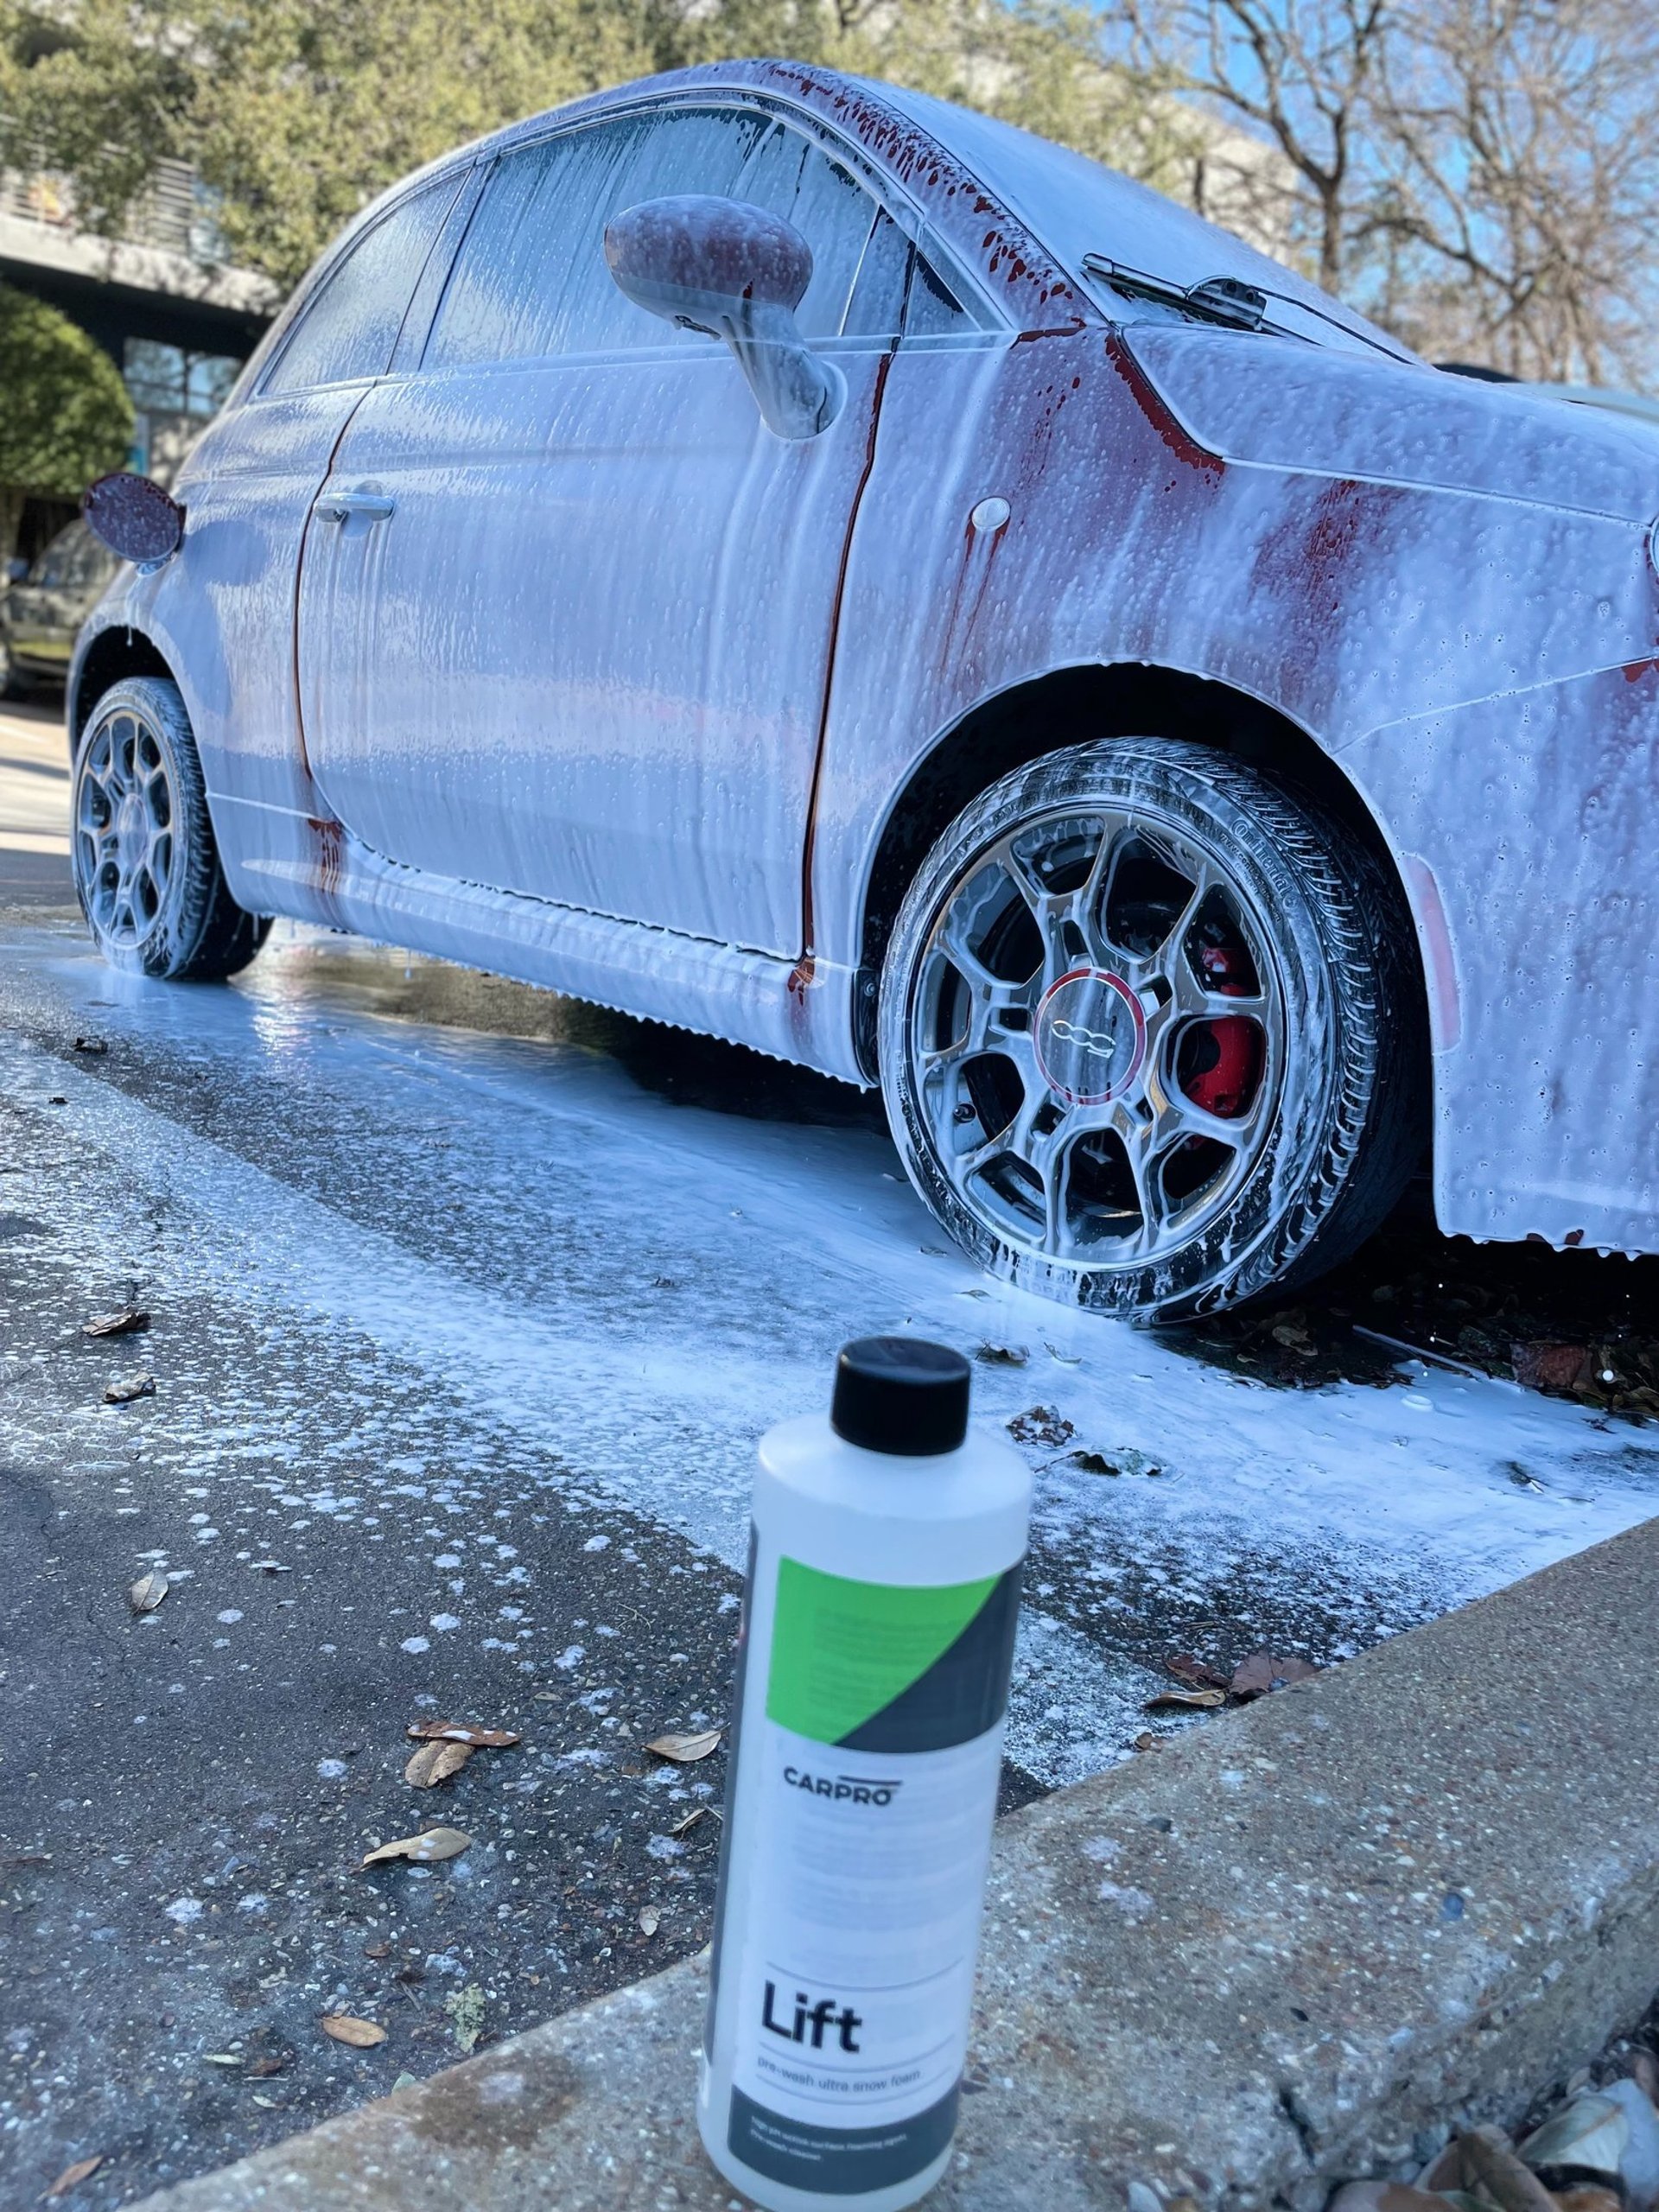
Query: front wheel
[1147, 1040]
[146, 866]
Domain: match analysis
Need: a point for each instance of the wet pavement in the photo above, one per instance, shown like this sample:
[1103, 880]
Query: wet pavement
[466, 1305]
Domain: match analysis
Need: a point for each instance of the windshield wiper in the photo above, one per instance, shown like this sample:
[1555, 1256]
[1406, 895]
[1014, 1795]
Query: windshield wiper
[1200, 303]
[1224, 300]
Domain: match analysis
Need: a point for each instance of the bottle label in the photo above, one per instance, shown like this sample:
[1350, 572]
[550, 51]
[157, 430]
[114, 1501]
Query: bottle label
[878, 1755]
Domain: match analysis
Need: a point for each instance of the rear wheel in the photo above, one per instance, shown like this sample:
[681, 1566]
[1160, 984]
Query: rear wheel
[1147, 1033]
[146, 866]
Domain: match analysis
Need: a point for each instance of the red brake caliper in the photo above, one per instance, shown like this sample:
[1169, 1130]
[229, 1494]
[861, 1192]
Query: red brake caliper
[1228, 1051]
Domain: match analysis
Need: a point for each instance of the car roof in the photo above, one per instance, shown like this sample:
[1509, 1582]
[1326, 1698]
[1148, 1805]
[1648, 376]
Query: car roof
[1017, 207]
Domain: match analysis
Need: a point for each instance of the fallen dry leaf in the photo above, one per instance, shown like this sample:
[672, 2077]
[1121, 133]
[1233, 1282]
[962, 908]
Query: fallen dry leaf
[1146, 1741]
[436, 1763]
[686, 1751]
[1126, 1460]
[1544, 1366]
[1193, 1701]
[1587, 2135]
[427, 1848]
[1041, 1425]
[72, 2176]
[454, 1732]
[1384, 2196]
[1002, 1355]
[1197, 1674]
[650, 1919]
[1264, 1670]
[126, 1321]
[1588, 2197]
[362, 2035]
[136, 1386]
[148, 1592]
[1475, 2164]
[465, 2008]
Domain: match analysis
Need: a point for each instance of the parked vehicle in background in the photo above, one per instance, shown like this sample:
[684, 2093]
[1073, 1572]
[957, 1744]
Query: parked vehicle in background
[42, 612]
[786, 557]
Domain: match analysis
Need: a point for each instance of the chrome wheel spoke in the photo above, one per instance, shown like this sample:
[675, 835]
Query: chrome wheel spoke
[989, 1000]
[1094, 1066]
[1192, 1000]
[122, 847]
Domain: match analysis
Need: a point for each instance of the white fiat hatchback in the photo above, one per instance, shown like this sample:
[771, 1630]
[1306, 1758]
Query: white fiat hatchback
[788, 558]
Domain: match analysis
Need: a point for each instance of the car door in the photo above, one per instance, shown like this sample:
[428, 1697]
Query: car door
[568, 606]
[228, 602]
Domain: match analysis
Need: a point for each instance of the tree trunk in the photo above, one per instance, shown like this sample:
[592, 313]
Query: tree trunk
[1331, 241]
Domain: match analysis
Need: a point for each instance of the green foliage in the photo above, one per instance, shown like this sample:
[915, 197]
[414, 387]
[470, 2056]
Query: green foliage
[95, 90]
[296, 112]
[311, 109]
[66, 417]
[1038, 63]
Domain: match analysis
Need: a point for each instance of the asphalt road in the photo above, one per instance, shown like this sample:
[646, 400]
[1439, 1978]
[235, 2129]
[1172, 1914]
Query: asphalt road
[466, 1306]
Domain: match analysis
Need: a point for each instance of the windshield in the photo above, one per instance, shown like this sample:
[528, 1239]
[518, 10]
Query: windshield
[74, 557]
[1080, 210]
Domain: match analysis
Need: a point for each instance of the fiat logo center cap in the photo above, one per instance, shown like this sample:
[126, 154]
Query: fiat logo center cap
[1089, 1036]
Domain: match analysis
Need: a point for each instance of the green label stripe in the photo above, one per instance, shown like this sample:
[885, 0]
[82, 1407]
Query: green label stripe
[891, 1666]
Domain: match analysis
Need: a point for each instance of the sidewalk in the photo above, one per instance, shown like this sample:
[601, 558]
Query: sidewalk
[1283, 1951]
[33, 805]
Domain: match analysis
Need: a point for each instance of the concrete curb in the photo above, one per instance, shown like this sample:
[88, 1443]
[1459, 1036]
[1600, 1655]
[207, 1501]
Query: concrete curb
[1276, 1954]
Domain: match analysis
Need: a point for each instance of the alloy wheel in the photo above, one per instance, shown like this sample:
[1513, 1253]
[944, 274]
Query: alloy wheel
[1097, 1036]
[124, 842]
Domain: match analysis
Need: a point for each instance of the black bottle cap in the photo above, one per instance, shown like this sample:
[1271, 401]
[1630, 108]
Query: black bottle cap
[900, 1395]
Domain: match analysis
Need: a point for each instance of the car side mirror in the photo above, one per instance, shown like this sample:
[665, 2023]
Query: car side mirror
[134, 518]
[737, 273]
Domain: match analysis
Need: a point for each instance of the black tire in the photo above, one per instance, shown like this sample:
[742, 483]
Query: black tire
[1329, 1018]
[172, 917]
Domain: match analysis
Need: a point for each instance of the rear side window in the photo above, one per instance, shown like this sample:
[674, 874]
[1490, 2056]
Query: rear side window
[934, 310]
[868, 279]
[790, 177]
[348, 330]
[530, 279]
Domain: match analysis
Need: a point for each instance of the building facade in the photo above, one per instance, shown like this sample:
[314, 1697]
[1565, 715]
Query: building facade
[160, 299]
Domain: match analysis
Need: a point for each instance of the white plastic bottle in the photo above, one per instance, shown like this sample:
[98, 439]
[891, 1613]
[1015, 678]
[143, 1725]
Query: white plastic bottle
[872, 1684]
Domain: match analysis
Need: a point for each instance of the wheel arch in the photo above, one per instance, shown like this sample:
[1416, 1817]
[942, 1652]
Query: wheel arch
[1046, 713]
[109, 657]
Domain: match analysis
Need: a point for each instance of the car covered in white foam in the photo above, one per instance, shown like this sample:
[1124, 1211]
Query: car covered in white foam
[786, 557]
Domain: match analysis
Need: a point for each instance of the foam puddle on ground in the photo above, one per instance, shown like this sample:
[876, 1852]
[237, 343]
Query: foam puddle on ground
[510, 1261]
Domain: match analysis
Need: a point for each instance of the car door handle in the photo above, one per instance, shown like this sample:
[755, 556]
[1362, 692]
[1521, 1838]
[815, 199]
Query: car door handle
[373, 506]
